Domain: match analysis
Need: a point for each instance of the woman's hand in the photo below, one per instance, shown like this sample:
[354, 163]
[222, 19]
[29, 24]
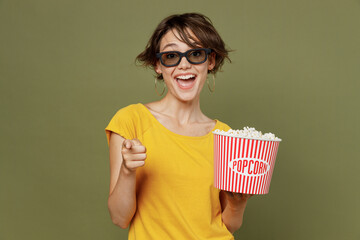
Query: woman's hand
[125, 157]
[236, 200]
[133, 154]
[233, 206]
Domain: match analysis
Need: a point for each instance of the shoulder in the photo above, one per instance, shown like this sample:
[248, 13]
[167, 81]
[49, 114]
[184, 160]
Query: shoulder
[135, 114]
[222, 126]
[131, 109]
[129, 122]
[131, 112]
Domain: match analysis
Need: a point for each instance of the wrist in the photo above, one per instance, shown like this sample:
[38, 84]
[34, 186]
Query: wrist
[126, 172]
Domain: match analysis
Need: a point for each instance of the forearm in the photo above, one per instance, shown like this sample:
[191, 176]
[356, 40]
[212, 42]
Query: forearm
[233, 216]
[122, 200]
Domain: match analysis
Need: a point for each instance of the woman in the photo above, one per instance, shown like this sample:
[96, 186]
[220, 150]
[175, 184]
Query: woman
[161, 153]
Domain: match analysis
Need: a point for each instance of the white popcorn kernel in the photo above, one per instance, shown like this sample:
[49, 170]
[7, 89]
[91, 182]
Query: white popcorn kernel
[248, 132]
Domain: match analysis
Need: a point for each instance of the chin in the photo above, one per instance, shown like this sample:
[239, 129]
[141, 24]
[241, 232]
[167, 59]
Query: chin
[187, 97]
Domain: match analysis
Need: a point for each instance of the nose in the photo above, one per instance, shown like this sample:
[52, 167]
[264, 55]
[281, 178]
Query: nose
[184, 63]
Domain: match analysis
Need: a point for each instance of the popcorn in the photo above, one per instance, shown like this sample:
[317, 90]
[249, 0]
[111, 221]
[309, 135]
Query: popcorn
[248, 132]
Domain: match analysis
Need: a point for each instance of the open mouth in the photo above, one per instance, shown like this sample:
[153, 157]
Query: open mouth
[186, 81]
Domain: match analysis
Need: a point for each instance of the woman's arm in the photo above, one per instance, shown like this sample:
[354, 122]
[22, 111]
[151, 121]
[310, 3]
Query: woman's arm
[125, 157]
[233, 206]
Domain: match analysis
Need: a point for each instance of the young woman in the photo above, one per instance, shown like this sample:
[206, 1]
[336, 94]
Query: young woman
[161, 153]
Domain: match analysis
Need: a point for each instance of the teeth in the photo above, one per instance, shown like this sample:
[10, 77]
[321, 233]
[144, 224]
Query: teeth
[186, 76]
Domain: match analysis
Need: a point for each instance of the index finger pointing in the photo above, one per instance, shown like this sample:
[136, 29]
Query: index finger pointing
[127, 144]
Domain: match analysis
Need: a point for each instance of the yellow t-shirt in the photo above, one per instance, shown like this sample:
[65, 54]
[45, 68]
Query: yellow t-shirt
[176, 197]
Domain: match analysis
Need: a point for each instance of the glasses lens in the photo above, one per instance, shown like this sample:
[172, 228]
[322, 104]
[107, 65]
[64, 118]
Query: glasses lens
[170, 58]
[197, 56]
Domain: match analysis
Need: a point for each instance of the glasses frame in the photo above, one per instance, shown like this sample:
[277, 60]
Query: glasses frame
[184, 54]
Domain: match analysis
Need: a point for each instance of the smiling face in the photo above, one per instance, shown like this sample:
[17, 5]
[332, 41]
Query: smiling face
[185, 80]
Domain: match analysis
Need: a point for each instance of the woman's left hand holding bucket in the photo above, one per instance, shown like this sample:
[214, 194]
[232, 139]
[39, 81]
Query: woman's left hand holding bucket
[233, 206]
[236, 200]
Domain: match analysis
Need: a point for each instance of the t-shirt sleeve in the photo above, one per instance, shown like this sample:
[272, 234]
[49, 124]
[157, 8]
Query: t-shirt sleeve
[122, 123]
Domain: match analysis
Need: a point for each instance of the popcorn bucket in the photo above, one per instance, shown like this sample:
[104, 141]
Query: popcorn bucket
[243, 165]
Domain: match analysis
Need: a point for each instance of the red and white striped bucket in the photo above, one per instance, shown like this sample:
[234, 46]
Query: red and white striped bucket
[243, 165]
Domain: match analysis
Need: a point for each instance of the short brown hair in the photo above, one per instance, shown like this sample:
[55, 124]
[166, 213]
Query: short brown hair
[202, 28]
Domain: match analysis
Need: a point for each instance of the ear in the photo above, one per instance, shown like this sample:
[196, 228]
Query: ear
[211, 61]
[157, 68]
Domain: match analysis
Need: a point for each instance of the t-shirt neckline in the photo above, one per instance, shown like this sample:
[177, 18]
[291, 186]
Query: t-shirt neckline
[176, 134]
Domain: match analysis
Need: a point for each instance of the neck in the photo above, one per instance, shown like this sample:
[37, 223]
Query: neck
[184, 111]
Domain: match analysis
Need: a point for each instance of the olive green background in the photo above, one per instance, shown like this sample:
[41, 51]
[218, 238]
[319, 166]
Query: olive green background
[67, 66]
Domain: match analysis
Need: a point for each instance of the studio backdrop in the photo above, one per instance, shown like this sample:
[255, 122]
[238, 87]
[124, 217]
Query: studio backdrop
[67, 66]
